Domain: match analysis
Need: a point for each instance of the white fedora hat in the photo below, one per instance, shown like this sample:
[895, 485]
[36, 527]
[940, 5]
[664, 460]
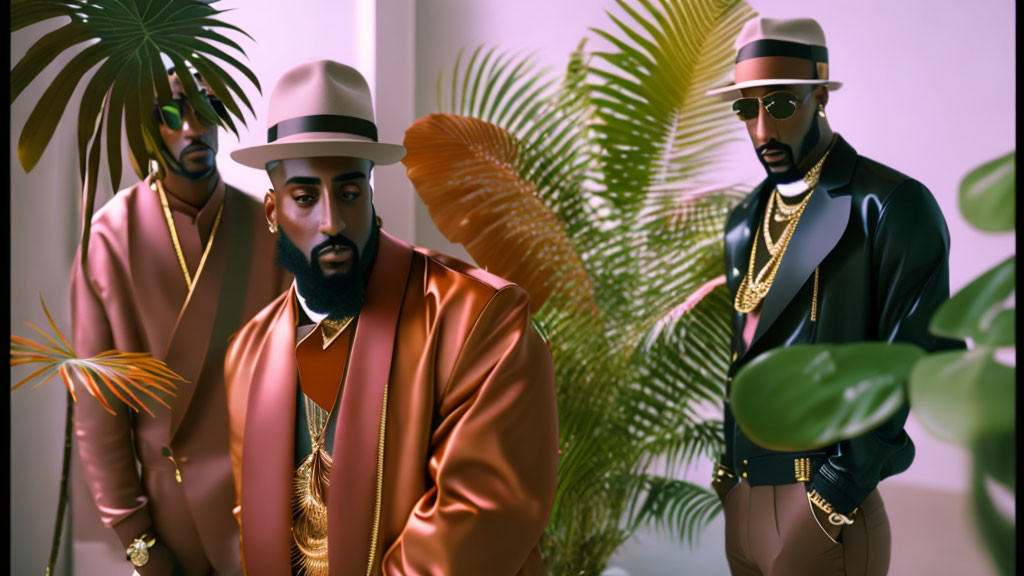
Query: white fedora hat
[320, 108]
[773, 51]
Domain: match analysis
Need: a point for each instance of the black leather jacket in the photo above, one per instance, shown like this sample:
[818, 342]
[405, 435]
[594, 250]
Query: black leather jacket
[881, 247]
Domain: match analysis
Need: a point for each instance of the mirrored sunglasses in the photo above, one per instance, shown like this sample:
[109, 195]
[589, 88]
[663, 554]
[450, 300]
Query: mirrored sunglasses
[779, 105]
[173, 113]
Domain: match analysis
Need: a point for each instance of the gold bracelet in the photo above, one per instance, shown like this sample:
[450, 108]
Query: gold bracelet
[834, 518]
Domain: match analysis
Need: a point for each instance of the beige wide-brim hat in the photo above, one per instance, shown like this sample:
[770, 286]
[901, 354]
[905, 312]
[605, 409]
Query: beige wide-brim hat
[778, 52]
[320, 108]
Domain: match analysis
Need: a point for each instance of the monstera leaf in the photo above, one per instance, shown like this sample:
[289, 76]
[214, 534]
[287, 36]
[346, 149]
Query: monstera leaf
[988, 195]
[125, 40]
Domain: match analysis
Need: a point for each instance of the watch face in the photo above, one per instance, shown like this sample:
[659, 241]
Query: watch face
[138, 553]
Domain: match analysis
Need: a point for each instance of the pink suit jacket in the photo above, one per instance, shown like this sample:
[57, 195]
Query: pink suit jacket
[446, 362]
[133, 298]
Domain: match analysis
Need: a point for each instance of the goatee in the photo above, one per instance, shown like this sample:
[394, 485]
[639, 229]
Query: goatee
[791, 174]
[339, 295]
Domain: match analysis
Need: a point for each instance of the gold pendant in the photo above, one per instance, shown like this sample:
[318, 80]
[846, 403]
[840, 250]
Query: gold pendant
[309, 521]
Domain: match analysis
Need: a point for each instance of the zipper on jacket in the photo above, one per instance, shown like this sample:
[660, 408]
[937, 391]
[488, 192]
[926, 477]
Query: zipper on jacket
[380, 483]
[814, 298]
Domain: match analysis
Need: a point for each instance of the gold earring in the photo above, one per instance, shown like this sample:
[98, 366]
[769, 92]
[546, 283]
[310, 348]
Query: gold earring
[821, 110]
[272, 227]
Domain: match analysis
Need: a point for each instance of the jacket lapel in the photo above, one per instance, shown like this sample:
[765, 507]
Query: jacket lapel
[352, 494]
[269, 450]
[821, 226]
[740, 236]
[213, 309]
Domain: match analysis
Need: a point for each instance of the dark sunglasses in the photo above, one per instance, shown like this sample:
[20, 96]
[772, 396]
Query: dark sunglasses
[173, 113]
[779, 105]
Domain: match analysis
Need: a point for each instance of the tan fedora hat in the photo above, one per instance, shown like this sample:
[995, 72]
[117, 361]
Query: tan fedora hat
[773, 51]
[320, 108]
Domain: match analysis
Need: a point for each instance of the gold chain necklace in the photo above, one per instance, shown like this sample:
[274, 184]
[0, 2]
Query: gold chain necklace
[189, 280]
[773, 247]
[753, 288]
[312, 478]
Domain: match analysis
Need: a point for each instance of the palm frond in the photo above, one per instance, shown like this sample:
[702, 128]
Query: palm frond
[122, 374]
[464, 169]
[124, 41]
[680, 507]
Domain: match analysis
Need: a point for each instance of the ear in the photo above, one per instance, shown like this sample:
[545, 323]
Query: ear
[821, 95]
[270, 207]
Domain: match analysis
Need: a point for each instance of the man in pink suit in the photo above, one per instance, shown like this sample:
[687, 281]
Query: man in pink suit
[174, 267]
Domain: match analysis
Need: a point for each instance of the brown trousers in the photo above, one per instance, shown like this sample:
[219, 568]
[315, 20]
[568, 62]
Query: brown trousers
[772, 531]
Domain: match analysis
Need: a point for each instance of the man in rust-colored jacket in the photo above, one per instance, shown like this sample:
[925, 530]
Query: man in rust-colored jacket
[174, 267]
[394, 411]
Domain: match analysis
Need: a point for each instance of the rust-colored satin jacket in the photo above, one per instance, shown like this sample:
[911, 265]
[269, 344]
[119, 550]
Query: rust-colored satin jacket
[445, 362]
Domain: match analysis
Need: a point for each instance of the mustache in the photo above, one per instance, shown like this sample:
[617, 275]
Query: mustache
[194, 147]
[338, 240]
[772, 145]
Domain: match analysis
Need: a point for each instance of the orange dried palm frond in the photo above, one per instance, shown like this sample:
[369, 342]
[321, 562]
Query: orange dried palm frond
[122, 374]
[464, 169]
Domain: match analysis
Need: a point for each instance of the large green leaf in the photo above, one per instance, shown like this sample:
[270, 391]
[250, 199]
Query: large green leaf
[959, 396]
[988, 196]
[125, 39]
[993, 457]
[808, 396]
[978, 311]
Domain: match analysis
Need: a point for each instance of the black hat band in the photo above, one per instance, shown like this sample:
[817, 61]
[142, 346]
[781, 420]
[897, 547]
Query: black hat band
[323, 123]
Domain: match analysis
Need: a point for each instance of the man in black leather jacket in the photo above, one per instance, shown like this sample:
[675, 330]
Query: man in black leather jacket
[868, 261]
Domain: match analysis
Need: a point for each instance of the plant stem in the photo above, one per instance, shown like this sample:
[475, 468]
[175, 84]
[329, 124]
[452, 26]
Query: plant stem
[62, 500]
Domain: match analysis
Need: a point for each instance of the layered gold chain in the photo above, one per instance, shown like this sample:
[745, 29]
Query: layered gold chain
[755, 286]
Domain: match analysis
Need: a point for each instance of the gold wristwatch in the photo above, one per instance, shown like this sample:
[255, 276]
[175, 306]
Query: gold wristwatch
[138, 552]
[834, 518]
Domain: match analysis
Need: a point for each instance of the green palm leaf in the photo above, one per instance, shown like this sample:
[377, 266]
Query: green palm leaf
[125, 40]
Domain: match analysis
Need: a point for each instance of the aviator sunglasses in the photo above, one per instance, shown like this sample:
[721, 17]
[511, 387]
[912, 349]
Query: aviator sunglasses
[172, 113]
[779, 105]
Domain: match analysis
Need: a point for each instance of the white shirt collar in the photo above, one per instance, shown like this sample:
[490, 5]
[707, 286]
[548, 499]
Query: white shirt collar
[791, 189]
[316, 317]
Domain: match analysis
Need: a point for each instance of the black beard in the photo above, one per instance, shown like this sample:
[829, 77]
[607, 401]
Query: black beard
[338, 296]
[810, 140]
[177, 166]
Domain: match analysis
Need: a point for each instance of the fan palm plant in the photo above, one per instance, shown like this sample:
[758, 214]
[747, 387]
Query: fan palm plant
[593, 192]
[125, 40]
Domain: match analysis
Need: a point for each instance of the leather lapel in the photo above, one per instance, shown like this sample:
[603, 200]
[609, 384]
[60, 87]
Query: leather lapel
[352, 493]
[213, 309]
[269, 449]
[822, 225]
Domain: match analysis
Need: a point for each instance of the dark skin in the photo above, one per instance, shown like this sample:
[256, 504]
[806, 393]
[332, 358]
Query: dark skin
[316, 198]
[199, 144]
[792, 130]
